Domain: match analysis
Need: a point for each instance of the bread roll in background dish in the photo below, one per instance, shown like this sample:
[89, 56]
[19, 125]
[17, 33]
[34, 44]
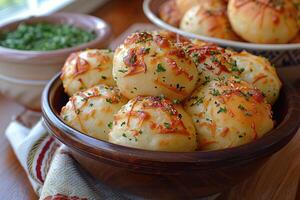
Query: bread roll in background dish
[154, 123]
[185, 5]
[212, 62]
[172, 37]
[228, 113]
[149, 64]
[88, 68]
[259, 72]
[91, 111]
[170, 13]
[261, 21]
[208, 21]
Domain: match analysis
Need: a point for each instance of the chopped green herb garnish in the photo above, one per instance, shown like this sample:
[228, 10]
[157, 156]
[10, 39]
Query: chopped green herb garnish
[123, 70]
[109, 100]
[241, 107]
[224, 110]
[110, 125]
[199, 100]
[45, 36]
[160, 68]
[215, 92]
[167, 125]
[176, 101]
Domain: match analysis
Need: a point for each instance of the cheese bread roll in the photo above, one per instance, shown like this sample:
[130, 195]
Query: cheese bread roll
[154, 123]
[91, 111]
[259, 72]
[87, 68]
[262, 21]
[185, 5]
[172, 37]
[149, 64]
[211, 22]
[212, 62]
[170, 13]
[228, 114]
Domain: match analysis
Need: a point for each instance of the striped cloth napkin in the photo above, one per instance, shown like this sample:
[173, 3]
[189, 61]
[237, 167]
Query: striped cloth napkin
[51, 170]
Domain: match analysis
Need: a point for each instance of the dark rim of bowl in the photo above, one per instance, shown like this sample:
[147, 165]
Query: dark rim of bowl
[103, 32]
[223, 42]
[260, 148]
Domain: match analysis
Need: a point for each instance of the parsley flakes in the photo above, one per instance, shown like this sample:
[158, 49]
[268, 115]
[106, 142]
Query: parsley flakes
[160, 68]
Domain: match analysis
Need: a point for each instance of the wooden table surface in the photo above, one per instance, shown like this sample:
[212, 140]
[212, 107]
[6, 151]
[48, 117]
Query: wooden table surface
[284, 178]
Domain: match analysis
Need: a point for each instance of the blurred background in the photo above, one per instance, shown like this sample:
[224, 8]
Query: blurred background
[112, 11]
[12, 9]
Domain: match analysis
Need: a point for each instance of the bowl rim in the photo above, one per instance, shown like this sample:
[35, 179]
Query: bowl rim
[262, 147]
[223, 42]
[103, 31]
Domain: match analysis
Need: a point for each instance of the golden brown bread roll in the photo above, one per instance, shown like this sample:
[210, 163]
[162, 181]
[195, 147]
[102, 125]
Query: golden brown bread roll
[150, 64]
[91, 111]
[228, 113]
[154, 123]
[88, 68]
[259, 72]
[264, 21]
[208, 21]
[170, 13]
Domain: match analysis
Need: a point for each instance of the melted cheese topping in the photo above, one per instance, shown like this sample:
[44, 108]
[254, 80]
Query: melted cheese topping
[228, 114]
[264, 21]
[85, 69]
[209, 21]
[91, 111]
[153, 123]
[212, 62]
[259, 72]
[150, 64]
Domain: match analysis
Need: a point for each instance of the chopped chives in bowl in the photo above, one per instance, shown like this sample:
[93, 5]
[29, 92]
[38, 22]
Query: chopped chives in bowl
[45, 37]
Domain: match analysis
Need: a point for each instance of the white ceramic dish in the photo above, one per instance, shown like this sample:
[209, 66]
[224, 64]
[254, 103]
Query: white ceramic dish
[23, 74]
[279, 54]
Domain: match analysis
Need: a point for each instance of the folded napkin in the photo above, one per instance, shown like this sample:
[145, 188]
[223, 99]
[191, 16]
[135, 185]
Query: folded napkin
[52, 172]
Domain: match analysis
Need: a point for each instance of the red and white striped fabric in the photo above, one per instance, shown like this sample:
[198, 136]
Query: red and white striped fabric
[53, 174]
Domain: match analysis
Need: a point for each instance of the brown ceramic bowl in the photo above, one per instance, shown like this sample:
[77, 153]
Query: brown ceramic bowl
[165, 175]
[23, 74]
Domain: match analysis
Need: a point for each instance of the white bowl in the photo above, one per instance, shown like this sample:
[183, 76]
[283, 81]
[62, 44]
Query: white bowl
[23, 74]
[278, 54]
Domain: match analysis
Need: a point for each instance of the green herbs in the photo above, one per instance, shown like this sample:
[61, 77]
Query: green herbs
[241, 107]
[123, 123]
[234, 68]
[122, 70]
[176, 101]
[198, 101]
[44, 37]
[110, 125]
[222, 110]
[167, 125]
[160, 68]
[215, 92]
[109, 100]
